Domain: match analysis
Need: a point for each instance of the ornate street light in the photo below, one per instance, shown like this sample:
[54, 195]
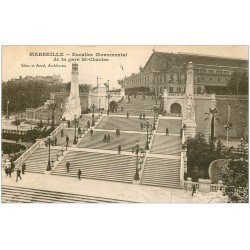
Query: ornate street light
[108, 104]
[49, 165]
[93, 114]
[147, 125]
[137, 149]
[17, 122]
[227, 126]
[75, 123]
[155, 114]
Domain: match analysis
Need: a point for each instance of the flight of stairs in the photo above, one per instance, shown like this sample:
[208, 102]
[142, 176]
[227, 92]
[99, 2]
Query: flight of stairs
[99, 166]
[161, 172]
[122, 123]
[137, 106]
[168, 145]
[37, 162]
[126, 140]
[173, 125]
[12, 194]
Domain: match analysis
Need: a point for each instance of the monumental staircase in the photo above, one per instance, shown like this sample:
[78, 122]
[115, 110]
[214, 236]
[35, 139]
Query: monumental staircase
[99, 166]
[12, 194]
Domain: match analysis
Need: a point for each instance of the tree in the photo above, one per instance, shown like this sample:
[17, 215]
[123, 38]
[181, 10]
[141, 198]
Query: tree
[199, 156]
[212, 116]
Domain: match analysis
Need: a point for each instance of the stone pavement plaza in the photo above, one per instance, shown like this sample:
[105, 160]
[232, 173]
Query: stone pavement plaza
[96, 188]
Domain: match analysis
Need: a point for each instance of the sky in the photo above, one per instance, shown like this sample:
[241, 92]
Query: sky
[116, 68]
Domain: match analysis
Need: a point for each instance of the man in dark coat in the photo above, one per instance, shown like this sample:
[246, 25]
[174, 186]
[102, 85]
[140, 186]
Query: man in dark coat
[119, 149]
[12, 166]
[68, 124]
[91, 132]
[67, 166]
[143, 115]
[62, 134]
[23, 168]
[127, 114]
[55, 141]
[9, 171]
[79, 173]
[6, 171]
[108, 138]
[67, 140]
[18, 174]
[88, 124]
[141, 125]
[167, 132]
[193, 189]
[105, 138]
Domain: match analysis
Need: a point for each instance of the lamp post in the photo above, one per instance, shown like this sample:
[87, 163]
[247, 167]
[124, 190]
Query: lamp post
[147, 125]
[108, 104]
[7, 111]
[227, 126]
[61, 108]
[241, 145]
[155, 110]
[93, 114]
[17, 121]
[137, 149]
[49, 165]
[75, 140]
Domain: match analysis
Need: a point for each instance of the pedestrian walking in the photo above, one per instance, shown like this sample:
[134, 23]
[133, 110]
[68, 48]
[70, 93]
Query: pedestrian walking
[140, 115]
[79, 130]
[67, 166]
[6, 171]
[141, 125]
[167, 132]
[117, 132]
[91, 132]
[9, 170]
[119, 149]
[108, 138]
[122, 108]
[88, 124]
[18, 174]
[144, 116]
[105, 138]
[68, 124]
[79, 173]
[55, 141]
[62, 133]
[193, 190]
[12, 166]
[67, 140]
[23, 168]
[127, 114]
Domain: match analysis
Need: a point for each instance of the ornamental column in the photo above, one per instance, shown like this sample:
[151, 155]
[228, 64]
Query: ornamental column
[189, 103]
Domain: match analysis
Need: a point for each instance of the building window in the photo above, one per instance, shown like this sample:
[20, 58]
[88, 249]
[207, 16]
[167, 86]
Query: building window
[203, 79]
[219, 72]
[226, 79]
[226, 73]
[210, 79]
[211, 71]
[171, 90]
[178, 89]
[202, 71]
[219, 79]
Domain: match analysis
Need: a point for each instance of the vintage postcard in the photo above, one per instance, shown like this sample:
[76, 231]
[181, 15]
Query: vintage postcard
[124, 124]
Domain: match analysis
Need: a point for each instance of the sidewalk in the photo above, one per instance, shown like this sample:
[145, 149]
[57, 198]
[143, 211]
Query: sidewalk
[113, 190]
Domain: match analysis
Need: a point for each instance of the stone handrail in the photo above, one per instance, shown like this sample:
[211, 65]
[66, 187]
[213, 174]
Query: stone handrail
[58, 129]
[26, 154]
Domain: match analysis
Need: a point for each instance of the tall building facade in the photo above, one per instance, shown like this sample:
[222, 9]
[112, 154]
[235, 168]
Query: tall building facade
[168, 70]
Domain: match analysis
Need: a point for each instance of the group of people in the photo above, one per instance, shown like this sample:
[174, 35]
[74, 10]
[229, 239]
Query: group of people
[11, 168]
[79, 172]
[142, 116]
[106, 138]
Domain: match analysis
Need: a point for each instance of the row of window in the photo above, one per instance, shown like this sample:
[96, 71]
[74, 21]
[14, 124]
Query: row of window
[210, 79]
[177, 89]
[212, 72]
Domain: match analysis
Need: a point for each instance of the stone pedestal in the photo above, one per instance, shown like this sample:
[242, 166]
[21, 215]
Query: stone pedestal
[204, 185]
